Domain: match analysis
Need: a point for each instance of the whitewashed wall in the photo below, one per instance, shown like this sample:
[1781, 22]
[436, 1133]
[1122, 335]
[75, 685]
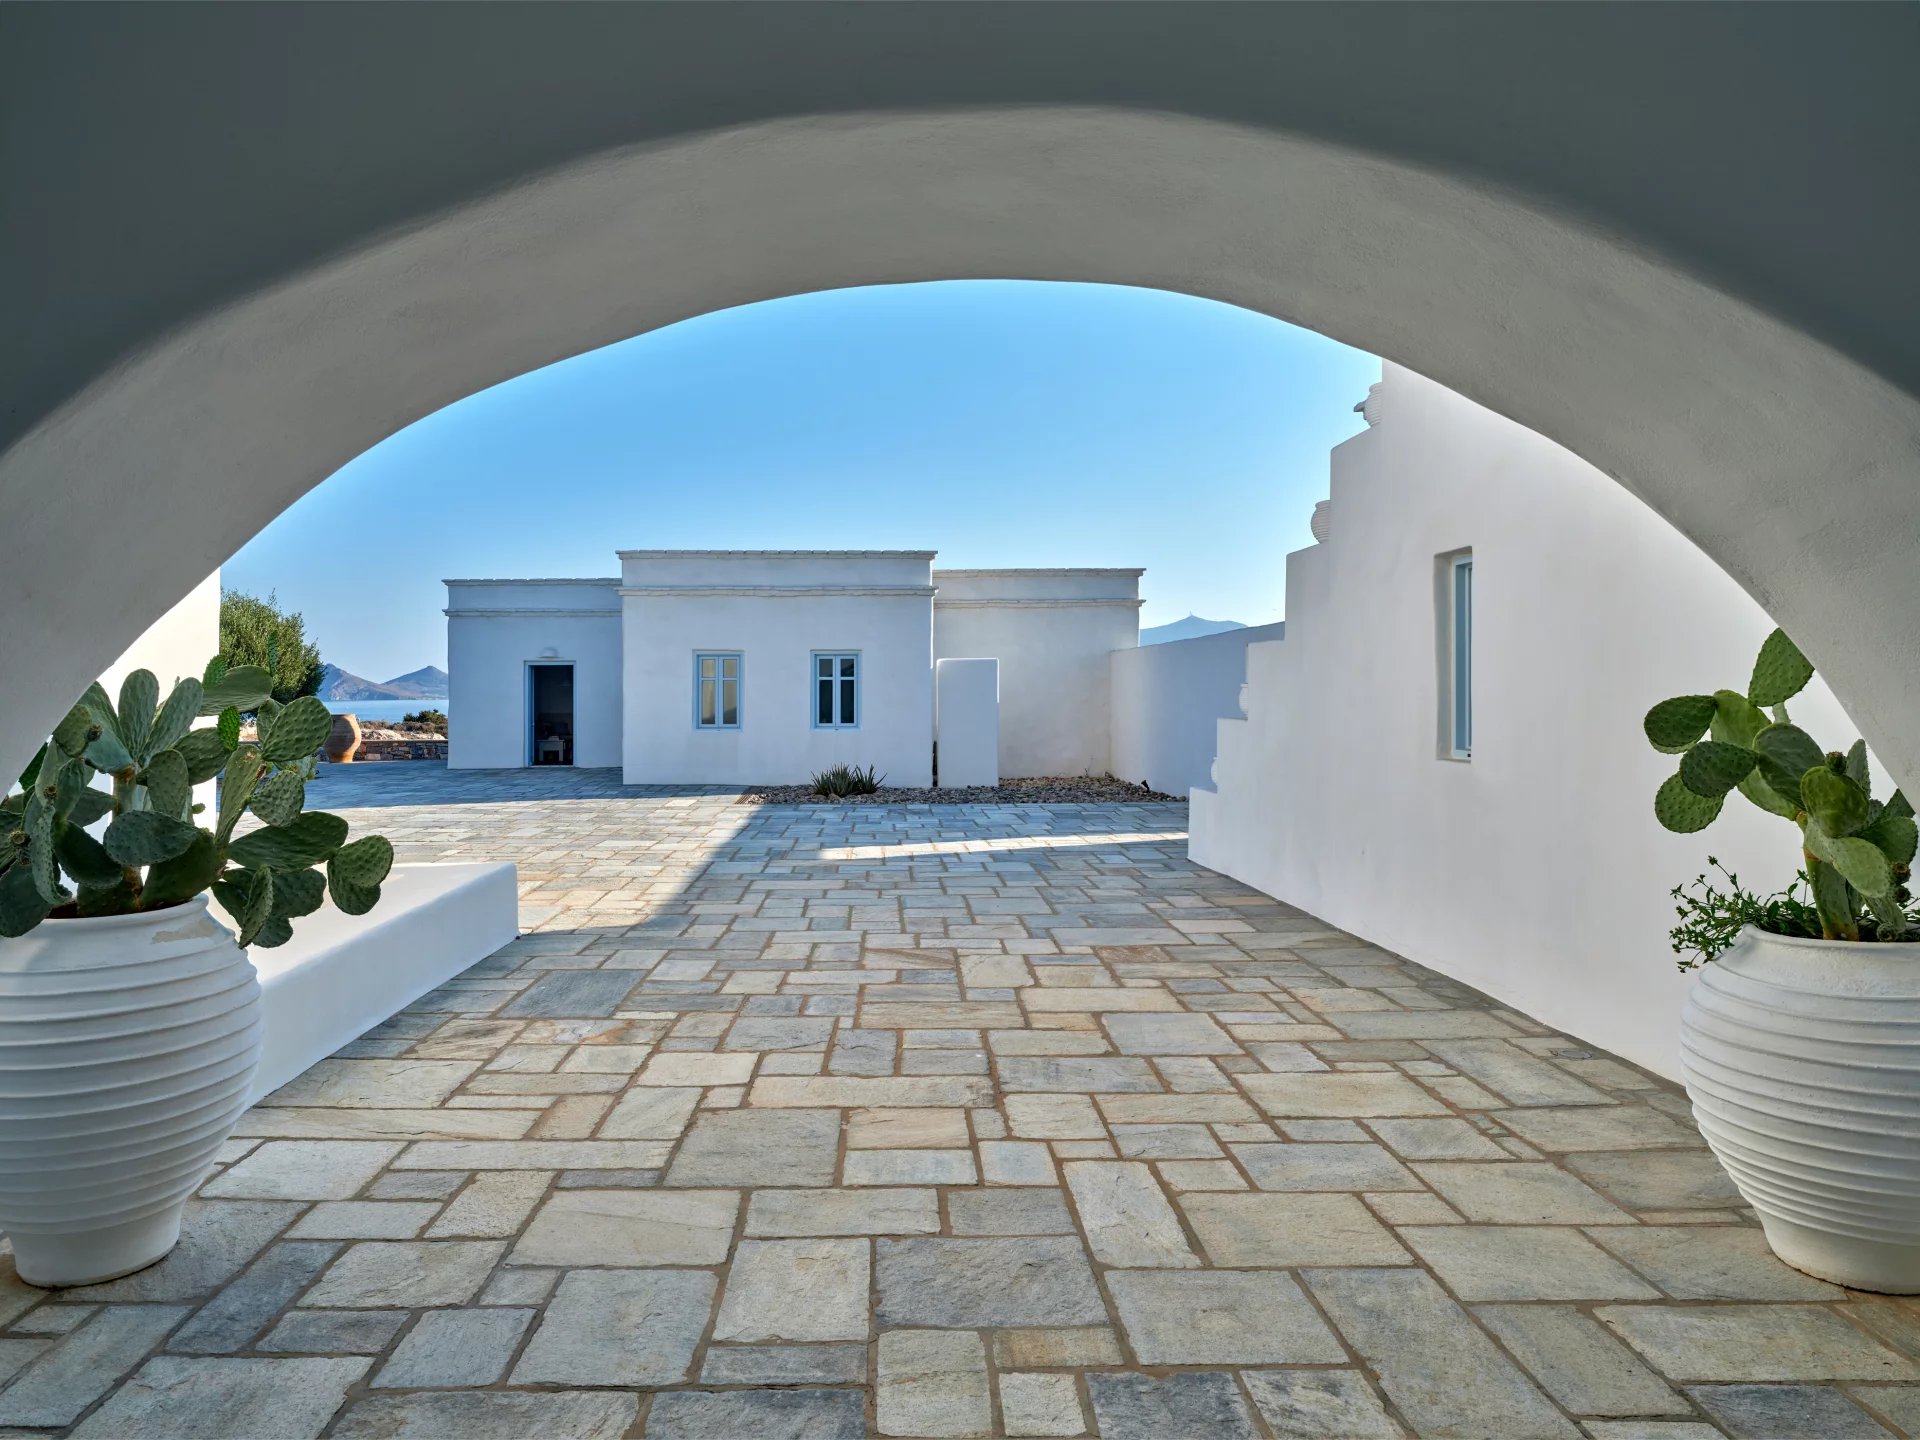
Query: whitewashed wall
[176, 645]
[1168, 701]
[1052, 632]
[1534, 871]
[495, 629]
[777, 609]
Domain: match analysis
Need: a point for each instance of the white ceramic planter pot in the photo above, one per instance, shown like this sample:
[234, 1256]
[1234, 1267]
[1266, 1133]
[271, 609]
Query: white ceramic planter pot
[1802, 1058]
[126, 1048]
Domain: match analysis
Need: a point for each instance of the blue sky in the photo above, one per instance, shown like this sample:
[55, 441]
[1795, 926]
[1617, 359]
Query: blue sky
[998, 422]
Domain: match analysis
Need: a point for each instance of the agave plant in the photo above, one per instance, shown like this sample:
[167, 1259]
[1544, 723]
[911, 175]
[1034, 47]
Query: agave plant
[1858, 850]
[152, 854]
[843, 780]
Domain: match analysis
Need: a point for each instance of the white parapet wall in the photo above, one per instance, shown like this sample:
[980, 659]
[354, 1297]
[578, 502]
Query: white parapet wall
[1052, 631]
[1533, 871]
[1168, 701]
[341, 975]
[966, 718]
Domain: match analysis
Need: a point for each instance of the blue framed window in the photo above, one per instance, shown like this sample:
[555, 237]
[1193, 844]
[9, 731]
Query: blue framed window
[1460, 656]
[717, 677]
[836, 690]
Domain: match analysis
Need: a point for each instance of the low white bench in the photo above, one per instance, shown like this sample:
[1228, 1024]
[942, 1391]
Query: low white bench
[341, 975]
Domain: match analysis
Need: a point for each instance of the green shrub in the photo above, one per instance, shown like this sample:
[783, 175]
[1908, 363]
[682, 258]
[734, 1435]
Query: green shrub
[436, 718]
[1857, 850]
[843, 780]
[258, 632]
[152, 855]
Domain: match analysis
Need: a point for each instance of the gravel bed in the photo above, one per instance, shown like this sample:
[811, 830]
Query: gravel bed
[1043, 790]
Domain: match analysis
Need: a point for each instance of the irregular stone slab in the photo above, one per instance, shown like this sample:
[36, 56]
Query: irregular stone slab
[375, 1084]
[1436, 1140]
[338, 1123]
[908, 1130]
[1174, 1109]
[1320, 1405]
[1423, 1025]
[1126, 1215]
[619, 1327]
[217, 1239]
[494, 1415]
[864, 1052]
[1899, 1403]
[240, 1311]
[1166, 1142]
[1446, 1377]
[406, 1274]
[1612, 1127]
[1009, 1212]
[693, 1068]
[1352, 1167]
[1077, 1073]
[856, 1092]
[1787, 1412]
[1077, 1349]
[1016, 1162]
[657, 1112]
[1519, 1192]
[1711, 1262]
[987, 1283]
[1211, 1317]
[1523, 1262]
[780, 1032]
[785, 1365]
[843, 1212]
[1665, 1180]
[909, 1167]
[303, 1170]
[1285, 1230]
[571, 993]
[1341, 1095]
[796, 1290]
[933, 1383]
[1041, 1405]
[630, 1227]
[772, 1414]
[338, 1332]
[364, 1220]
[1195, 1403]
[941, 1015]
[1733, 1343]
[174, 1395]
[1053, 1117]
[1579, 1362]
[1177, 1034]
[532, 1154]
[759, 1147]
[55, 1388]
[1522, 1079]
[493, 1207]
[455, 1347]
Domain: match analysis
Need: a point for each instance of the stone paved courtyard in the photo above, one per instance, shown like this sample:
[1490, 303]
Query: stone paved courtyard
[831, 1121]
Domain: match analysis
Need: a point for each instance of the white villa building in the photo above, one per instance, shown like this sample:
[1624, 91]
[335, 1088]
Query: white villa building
[762, 667]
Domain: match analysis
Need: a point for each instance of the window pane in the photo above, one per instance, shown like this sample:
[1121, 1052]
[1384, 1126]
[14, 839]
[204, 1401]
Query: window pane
[825, 664]
[847, 663]
[730, 667]
[706, 702]
[1463, 656]
[824, 712]
[706, 667]
[847, 710]
[730, 708]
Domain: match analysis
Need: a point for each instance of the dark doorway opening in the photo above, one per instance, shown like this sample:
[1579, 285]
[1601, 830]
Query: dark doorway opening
[550, 714]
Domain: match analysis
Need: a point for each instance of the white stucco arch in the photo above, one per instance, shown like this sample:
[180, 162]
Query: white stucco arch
[1743, 430]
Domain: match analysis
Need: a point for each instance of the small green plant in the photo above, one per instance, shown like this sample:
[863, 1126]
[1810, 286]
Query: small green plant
[1711, 918]
[843, 780]
[1857, 850]
[152, 855]
[436, 718]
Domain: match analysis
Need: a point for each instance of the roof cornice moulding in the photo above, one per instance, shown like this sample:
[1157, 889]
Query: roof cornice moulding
[561, 580]
[777, 592]
[1062, 602]
[544, 611]
[765, 554]
[1042, 570]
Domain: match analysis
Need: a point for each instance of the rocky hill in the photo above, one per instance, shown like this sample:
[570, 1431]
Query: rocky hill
[427, 683]
[1190, 628]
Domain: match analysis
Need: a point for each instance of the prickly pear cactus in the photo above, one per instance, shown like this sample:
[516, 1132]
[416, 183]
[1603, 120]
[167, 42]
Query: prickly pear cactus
[154, 852]
[1858, 850]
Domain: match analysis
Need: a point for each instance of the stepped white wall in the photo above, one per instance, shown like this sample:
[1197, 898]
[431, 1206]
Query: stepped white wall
[1169, 699]
[1534, 871]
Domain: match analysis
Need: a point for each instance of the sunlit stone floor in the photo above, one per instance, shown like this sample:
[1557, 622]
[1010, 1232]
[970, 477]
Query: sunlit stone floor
[991, 1120]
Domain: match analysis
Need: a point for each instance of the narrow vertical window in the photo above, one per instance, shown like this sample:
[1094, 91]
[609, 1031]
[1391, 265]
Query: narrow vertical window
[1460, 683]
[836, 691]
[716, 691]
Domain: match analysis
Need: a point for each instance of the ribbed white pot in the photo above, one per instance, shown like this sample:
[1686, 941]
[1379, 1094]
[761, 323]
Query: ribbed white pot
[1802, 1058]
[126, 1048]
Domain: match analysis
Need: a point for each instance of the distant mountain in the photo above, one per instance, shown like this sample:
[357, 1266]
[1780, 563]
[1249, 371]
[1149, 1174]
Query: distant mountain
[426, 683]
[1191, 628]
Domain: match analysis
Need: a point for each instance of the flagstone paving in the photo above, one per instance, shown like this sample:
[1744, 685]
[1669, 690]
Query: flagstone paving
[974, 1120]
